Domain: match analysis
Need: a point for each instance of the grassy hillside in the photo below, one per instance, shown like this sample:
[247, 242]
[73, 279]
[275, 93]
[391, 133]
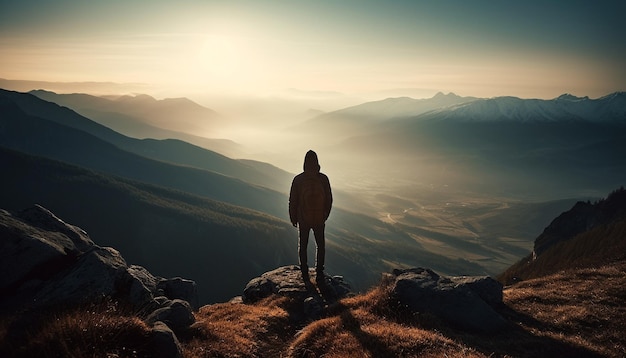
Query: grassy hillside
[566, 314]
[577, 313]
[603, 244]
[170, 232]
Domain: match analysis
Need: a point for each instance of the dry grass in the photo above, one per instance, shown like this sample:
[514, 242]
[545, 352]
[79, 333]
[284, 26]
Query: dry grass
[580, 307]
[597, 247]
[238, 330]
[359, 333]
[93, 331]
[577, 313]
[574, 314]
[353, 327]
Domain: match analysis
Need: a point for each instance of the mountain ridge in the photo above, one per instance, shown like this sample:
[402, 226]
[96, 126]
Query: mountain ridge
[143, 107]
[587, 235]
[154, 226]
[120, 115]
[50, 139]
[164, 150]
[611, 107]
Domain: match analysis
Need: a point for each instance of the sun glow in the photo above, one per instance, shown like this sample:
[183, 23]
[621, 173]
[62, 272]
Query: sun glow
[217, 58]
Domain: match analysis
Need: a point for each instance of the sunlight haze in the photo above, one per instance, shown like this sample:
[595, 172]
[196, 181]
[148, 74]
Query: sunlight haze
[452, 134]
[193, 48]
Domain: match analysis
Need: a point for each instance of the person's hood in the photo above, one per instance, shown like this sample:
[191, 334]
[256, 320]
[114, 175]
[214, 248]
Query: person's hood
[310, 162]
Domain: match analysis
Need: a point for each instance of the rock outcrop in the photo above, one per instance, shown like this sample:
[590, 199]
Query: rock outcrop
[46, 262]
[465, 302]
[584, 216]
[287, 281]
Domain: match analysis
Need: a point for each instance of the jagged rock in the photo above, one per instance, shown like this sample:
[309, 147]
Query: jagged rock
[180, 288]
[42, 218]
[95, 274]
[163, 342]
[142, 288]
[488, 289]
[287, 281]
[583, 216]
[46, 262]
[178, 315]
[29, 251]
[464, 302]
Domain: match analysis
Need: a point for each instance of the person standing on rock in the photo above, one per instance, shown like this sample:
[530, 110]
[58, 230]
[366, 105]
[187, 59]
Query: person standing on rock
[310, 201]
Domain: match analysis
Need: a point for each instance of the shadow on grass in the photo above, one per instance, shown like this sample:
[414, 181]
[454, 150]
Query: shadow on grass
[525, 337]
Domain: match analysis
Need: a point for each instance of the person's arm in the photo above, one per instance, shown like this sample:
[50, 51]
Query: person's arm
[293, 203]
[329, 197]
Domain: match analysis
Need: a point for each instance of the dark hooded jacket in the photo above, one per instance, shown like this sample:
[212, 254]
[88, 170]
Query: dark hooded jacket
[311, 168]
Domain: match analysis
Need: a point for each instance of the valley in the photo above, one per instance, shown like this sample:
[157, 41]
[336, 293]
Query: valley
[427, 190]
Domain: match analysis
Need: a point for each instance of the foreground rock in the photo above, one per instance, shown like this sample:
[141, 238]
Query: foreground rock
[46, 262]
[287, 281]
[464, 302]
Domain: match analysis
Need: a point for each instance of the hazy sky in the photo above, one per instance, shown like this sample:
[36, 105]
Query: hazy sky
[481, 48]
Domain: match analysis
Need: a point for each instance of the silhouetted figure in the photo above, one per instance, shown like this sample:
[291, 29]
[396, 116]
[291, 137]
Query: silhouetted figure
[310, 201]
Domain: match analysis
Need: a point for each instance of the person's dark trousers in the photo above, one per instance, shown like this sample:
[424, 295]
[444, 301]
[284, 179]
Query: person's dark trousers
[320, 252]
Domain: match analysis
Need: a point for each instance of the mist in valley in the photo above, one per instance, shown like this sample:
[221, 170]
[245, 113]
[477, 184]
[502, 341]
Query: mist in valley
[462, 185]
[463, 199]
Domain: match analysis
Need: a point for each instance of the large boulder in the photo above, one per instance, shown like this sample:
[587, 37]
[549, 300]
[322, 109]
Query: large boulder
[464, 302]
[180, 288]
[46, 262]
[164, 343]
[287, 281]
[177, 314]
[34, 245]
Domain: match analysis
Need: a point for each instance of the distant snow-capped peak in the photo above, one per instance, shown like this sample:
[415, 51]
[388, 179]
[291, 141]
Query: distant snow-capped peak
[566, 107]
[570, 97]
[403, 106]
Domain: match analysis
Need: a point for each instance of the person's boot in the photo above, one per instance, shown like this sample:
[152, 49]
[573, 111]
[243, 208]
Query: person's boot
[305, 274]
[320, 278]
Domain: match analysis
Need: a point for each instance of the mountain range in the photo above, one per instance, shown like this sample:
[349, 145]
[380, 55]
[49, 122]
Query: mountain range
[440, 228]
[65, 136]
[610, 108]
[169, 150]
[548, 148]
[142, 116]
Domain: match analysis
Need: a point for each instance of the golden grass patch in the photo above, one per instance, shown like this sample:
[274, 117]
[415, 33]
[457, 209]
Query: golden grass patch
[582, 307]
[239, 330]
[93, 331]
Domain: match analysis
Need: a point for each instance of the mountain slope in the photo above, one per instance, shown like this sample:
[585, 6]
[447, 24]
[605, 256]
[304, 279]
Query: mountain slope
[170, 113]
[359, 118]
[165, 150]
[512, 147]
[49, 139]
[562, 315]
[401, 107]
[170, 232]
[124, 118]
[563, 108]
[588, 235]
